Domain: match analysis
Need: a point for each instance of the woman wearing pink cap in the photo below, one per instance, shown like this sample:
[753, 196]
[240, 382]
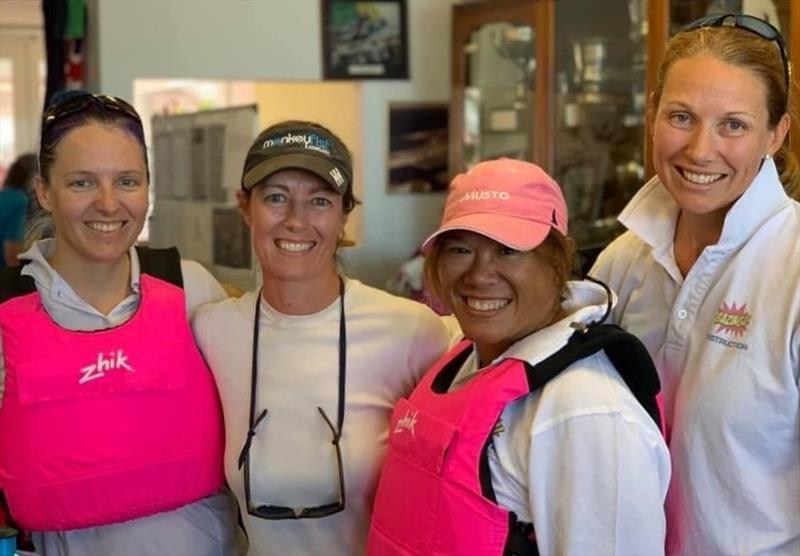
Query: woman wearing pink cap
[539, 432]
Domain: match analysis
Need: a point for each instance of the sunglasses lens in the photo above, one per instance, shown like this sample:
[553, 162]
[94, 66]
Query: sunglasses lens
[322, 511]
[275, 512]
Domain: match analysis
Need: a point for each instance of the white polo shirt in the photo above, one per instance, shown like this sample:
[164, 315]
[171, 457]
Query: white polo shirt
[726, 342]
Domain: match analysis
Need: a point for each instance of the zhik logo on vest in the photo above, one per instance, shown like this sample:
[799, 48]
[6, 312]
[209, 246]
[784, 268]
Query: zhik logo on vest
[114, 361]
[733, 321]
[407, 422]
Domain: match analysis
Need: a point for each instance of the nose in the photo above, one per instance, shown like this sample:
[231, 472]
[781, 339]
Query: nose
[702, 145]
[107, 200]
[296, 216]
[482, 272]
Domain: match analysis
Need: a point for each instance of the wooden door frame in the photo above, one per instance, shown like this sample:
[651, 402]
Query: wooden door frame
[540, 15]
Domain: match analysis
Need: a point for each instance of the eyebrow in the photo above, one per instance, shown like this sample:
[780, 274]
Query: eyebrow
[684, 106]
[129, 171]
[317, 188]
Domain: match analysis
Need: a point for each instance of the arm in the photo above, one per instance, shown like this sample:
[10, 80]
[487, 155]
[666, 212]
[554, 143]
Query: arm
[428, 342]
[597, 486]
[200, 286]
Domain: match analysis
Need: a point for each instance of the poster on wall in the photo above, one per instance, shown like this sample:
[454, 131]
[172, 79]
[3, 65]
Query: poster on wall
[417, 148]
[364, 39]
[231, 238]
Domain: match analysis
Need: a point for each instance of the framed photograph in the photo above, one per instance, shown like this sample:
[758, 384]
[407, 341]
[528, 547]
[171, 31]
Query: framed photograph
[417, 148]
[364, 39]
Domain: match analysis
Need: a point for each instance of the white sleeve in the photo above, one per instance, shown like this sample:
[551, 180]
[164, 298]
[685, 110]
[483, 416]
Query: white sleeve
[200, 286]
[429, 340]
[597, 486]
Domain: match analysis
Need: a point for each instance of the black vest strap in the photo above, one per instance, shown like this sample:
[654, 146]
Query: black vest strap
[159, 263]
[13, 284]
[521, 539]
[625, 351]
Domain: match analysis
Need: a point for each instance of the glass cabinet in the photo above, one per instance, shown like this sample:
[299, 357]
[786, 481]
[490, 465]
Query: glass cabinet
[564, 83]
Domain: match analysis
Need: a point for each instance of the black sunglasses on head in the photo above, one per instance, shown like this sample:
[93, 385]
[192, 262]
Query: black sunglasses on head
[80, 102]
[746, 23]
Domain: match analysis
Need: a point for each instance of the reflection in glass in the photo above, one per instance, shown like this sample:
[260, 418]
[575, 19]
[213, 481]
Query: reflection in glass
[600, 112]
[501, 70]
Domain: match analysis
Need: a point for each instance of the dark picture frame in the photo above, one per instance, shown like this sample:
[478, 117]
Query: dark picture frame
[417, 159]
[364, 39]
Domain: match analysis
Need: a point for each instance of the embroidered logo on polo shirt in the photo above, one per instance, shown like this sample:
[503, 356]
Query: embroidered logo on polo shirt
[731, 321]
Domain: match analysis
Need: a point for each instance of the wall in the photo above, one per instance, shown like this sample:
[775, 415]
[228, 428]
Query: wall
[279, 40]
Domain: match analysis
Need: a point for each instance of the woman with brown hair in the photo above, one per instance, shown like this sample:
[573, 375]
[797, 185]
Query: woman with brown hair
[708, 276]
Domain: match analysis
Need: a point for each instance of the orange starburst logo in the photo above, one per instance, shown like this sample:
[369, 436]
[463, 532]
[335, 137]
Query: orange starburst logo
[732, 319]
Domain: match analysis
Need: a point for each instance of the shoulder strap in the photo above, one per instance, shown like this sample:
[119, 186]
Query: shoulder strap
[625, 351]
[161, 263]
[14, 284]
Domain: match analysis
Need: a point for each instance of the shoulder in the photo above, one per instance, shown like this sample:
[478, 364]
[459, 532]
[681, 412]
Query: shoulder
[591, 387]
[620, 254]
[387, 315]
[389, 304]
[227, 309]
[200, 285]
[227, 318]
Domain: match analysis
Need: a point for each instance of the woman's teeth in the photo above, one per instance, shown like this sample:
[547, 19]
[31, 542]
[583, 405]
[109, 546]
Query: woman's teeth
[104, 226]
[294, 246]
[486, 304]
[700, 179]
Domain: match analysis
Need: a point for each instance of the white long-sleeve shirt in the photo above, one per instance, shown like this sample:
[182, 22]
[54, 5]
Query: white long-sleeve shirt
[726, 342]
[580, 458]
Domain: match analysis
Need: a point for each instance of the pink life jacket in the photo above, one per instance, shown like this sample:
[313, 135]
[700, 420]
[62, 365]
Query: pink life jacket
[101, 427]
[435, 494]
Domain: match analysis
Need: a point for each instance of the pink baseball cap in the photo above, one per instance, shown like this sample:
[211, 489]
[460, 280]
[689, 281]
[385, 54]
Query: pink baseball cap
[510, 201]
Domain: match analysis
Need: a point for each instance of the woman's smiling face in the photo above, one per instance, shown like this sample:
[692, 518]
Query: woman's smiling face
[499, 295]
[711, 133]
[296, 220]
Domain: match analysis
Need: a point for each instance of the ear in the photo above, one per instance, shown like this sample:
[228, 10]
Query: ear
[243, 200]
[42, 193]
[779, 134]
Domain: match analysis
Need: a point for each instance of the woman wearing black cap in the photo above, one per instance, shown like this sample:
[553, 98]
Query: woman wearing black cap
[309, 366]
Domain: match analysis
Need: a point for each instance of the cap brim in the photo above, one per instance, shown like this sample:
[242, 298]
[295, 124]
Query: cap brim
[313, 164]
[516, 233]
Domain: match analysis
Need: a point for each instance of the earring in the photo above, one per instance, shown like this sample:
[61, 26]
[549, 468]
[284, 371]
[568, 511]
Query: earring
[767, 156]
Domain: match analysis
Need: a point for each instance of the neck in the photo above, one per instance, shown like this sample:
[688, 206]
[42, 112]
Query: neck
[101, 285]
[693, 233]
[300, 297]
[488, 352]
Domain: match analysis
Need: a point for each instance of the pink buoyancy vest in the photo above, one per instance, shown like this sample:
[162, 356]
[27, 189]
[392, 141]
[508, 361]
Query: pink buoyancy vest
[105, 426]
[429, 499]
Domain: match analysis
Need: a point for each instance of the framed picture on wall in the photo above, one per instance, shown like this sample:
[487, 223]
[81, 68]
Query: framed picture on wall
[364, 39]
[417, 148]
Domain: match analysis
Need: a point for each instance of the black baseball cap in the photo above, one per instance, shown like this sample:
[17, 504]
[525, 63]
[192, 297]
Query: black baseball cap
[301, 145]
